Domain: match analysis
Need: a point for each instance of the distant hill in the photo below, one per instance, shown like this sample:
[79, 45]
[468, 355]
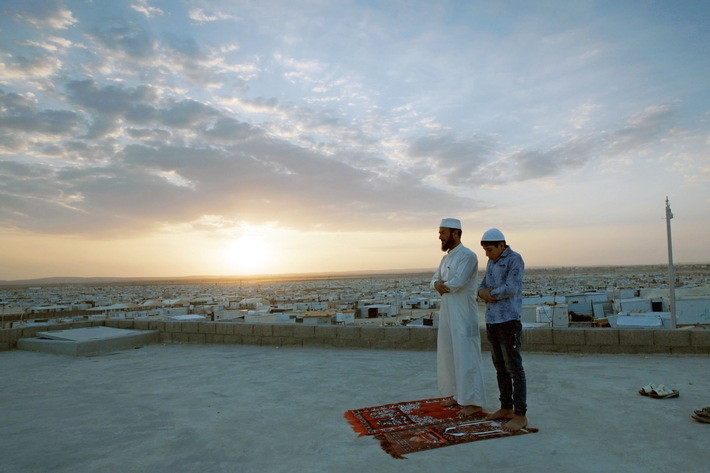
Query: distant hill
[391, 273]
[61, 281]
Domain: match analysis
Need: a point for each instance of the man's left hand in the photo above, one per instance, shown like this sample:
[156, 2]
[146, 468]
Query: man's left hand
[441, 288]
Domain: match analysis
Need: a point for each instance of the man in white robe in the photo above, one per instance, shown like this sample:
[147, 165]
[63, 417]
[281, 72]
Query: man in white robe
[459, 361]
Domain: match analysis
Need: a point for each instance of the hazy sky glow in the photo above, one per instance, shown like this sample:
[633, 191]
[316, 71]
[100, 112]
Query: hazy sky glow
[173, 138]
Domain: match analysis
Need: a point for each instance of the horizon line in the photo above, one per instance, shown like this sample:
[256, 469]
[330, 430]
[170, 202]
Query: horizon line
[289, 276]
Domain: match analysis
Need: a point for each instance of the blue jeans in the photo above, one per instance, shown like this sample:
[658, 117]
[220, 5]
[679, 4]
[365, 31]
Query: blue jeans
[505, 340]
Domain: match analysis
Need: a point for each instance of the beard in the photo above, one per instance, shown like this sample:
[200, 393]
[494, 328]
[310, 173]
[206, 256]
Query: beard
[447, 244]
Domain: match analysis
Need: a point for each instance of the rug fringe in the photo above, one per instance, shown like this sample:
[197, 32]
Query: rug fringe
[359, 429]
[389, 448]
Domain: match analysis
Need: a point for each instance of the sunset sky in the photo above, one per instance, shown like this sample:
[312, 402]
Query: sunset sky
[144, 138]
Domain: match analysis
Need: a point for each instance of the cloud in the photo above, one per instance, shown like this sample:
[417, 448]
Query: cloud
[160, 177]
[110, 100]
[170, 60]
[139, 105]
[165, 162]
[227, 129]
[641, 130]
[142, 6]
[183, 45]
[200, 15]
[264, 180]
[130, 39]
[464, 162]
[457, 161]
[22, 68]
[573, 153]
[41, 14]
[19, 117]
[569, 156]
[31, 197]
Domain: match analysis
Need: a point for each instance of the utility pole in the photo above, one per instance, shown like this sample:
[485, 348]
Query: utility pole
[671, 271]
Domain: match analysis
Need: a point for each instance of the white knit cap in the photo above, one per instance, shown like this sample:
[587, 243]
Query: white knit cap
[450, 223]
[493, 234]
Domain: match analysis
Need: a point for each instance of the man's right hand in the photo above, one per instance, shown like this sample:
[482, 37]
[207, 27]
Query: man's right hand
[486, 295]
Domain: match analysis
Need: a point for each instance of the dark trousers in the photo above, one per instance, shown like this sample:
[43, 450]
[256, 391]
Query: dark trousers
[505, 340]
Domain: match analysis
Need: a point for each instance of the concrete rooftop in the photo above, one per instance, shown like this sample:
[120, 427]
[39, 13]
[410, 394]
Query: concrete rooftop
[239, 408]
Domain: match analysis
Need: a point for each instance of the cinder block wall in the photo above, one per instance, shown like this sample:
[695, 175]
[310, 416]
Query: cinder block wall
[560, 340]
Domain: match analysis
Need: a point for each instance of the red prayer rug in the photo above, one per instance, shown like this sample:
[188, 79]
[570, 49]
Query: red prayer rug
[399, 416]
[412, 426]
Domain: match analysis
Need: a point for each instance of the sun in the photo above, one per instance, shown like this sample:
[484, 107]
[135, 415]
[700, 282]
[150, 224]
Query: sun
[248, 255]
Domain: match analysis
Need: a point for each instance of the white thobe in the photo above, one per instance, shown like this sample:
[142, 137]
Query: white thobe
[459, 360]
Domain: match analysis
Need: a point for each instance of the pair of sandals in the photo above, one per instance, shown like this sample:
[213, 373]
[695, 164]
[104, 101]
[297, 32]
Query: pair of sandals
[702, 415]
[658, 391]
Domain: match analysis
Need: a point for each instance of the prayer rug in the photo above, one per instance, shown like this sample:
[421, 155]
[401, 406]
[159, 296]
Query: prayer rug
[412, 426]
[400, 416]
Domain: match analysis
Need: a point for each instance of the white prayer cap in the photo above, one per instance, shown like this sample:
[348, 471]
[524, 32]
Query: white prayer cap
[493, 234]
[450, 223]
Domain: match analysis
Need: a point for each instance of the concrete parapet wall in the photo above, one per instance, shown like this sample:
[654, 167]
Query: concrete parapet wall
[551, 340]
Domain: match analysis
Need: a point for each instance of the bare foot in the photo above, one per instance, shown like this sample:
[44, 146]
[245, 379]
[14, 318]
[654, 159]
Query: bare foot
[515, 424]
[467, 411]
[501, 414]
[449, 402]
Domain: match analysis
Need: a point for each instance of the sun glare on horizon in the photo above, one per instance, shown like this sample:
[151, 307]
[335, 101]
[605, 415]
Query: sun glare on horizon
[248, 255]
